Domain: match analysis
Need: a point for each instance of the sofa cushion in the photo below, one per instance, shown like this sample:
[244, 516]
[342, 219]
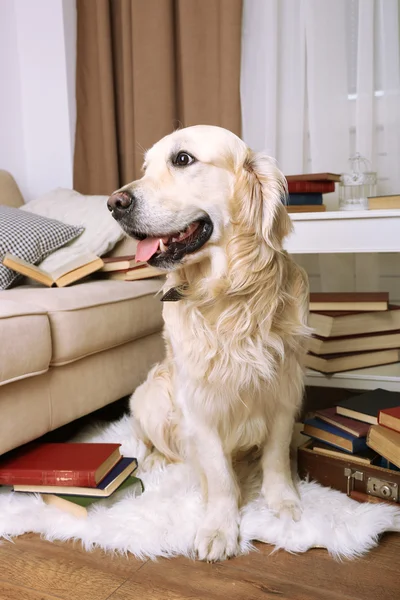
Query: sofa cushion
[96, 315]
[30, 237]
[25, 348]
[101, 231]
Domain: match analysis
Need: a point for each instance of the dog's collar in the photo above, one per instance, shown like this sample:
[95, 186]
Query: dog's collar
[172, 295]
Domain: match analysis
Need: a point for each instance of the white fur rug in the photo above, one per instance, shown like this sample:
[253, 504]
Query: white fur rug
[164, 519]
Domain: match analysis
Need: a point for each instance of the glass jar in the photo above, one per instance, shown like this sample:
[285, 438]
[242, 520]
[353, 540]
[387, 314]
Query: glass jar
[357, 186]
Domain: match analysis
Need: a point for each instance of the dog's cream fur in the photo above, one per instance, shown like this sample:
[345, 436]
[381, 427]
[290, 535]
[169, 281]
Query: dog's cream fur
[232, 379]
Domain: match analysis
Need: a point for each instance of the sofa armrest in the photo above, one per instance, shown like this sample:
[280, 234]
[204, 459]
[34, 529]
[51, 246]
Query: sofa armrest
[9, 191]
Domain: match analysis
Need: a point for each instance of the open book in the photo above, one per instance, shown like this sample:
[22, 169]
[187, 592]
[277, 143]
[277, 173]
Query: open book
[73, 270]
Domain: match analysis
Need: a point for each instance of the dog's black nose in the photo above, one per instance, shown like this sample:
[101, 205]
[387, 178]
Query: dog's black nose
[119, 202]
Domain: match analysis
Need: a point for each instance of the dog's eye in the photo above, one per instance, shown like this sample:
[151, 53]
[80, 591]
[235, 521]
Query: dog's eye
[183, 159]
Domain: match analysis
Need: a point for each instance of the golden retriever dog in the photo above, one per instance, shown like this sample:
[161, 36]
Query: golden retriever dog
[209, 211]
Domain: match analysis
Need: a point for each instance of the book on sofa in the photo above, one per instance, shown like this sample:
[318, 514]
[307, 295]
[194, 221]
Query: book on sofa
[71, 271]
[118, 263]
[142, 271]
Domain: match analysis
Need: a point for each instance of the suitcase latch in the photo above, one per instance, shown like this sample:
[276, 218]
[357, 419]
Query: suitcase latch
[382, 489]
[351, 476]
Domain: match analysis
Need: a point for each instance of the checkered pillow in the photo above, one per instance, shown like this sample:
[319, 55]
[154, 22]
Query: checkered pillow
[30, 237]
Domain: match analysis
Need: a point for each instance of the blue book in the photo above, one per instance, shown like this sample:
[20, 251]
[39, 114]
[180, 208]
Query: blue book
[325, 432]
[386, 464]
[304, 199]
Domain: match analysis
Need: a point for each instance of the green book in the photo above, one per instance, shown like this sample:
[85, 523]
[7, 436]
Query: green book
[78, 505]
[89, 500]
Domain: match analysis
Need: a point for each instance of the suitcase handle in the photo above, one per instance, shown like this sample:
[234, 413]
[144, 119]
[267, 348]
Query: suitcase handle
[351, 476]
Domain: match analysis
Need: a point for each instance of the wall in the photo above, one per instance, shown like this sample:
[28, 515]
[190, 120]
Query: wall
[37, 114]
[12, 151]
[353, 272]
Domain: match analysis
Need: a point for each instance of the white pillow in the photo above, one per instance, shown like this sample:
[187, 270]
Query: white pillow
[101, 233]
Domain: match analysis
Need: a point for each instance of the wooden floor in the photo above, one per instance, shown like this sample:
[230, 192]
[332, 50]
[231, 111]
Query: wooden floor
[32, 569]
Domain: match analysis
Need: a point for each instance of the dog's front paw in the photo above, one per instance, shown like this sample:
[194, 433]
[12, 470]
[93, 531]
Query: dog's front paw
[213, 544]
[284, 501]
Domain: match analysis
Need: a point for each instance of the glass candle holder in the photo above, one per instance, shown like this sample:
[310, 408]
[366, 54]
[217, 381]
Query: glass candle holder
[355, 187]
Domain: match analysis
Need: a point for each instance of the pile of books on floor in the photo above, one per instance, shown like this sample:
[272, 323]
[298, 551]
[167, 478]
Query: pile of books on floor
[125, 268]
[352, 331]
[306, 191]
[70, 476]
[365, 426]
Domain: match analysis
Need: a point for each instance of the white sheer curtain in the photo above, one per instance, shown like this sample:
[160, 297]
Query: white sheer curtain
[321, 80]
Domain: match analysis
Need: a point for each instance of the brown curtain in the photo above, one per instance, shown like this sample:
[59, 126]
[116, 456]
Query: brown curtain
[144, 68]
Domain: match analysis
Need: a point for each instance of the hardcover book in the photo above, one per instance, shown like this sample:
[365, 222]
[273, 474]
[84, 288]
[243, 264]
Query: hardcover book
[72, 271]
[334, 436]
[386, 442]
[390, 417]
[59, 464]
[304, 199]
[365, 407]
[348, 301]
[337, 323]
[313, 177]
[311, 187]
[106, 487]
[78, 505]
[143, 271]
[118, 263]
[384, 202]
[338, 363]
[356, 428]
[365, 457]
[303, 208]
[354, 343]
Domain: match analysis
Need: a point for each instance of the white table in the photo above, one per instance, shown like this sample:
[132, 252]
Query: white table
[349, 232]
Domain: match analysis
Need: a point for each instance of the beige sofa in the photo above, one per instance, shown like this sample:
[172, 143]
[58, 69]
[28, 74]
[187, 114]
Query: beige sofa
[69, 351]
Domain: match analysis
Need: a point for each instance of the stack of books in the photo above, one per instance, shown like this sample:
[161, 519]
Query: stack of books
[70, 476]
[306, 191]
[367, 426]
[352, 331]
[125, 268]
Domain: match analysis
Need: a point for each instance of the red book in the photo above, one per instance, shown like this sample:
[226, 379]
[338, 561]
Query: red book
[80, 465]
[356, 428]
[390, 418]
[311, 187]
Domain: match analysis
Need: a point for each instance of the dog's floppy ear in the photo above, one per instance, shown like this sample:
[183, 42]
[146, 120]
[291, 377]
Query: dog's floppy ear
[263, 189]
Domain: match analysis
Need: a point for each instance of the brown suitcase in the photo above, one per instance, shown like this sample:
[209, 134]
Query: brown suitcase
[365, 483]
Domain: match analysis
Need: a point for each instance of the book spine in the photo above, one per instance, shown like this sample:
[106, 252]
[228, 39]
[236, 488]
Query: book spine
[307, 199]
[302, 208]
[311, 187]
[68, 478]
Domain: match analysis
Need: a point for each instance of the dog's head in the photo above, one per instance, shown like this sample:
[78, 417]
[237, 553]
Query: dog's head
[200, 185]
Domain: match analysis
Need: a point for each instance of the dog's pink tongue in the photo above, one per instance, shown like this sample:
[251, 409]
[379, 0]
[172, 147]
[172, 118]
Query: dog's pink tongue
[146, 248]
